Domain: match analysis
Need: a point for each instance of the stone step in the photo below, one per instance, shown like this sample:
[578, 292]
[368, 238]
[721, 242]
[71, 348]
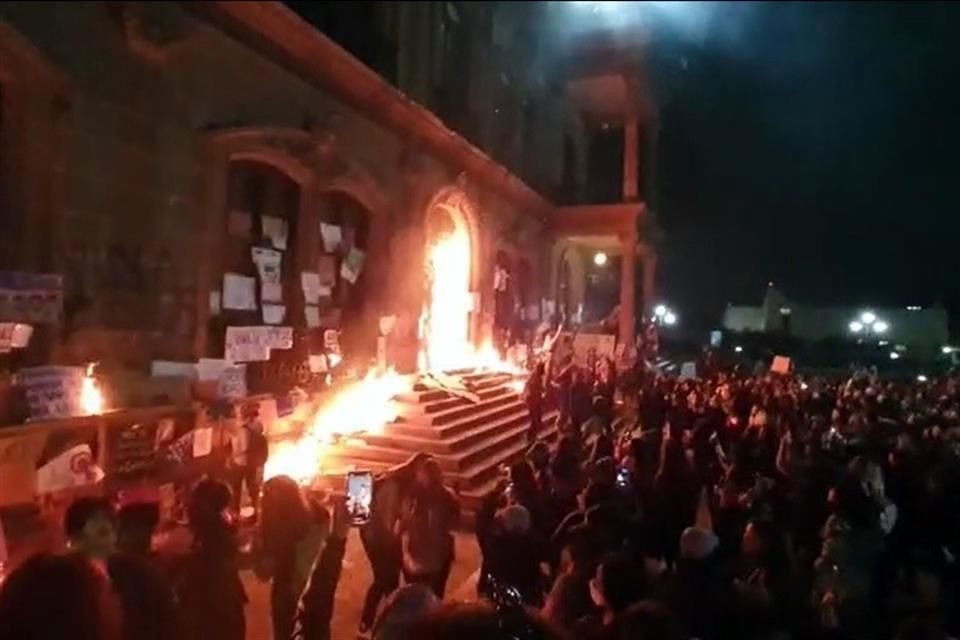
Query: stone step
[457, 414]
[415, 411]
[448, 438]
[424, 395]
[503, 433]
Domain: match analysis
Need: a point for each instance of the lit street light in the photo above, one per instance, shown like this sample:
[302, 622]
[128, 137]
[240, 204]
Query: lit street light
[660, 310]
[670, 318]
[856, 326]
[880, 326]
[868, 322]
[868, 317]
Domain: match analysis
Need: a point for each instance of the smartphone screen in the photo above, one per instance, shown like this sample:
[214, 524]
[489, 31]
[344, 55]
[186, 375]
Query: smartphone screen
[359, 495]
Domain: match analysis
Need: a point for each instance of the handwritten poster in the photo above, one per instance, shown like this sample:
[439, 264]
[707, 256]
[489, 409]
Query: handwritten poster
[133, 450]
[332, 237]
[53, 392]
[352, 265]
[276, 230]
[34, 306]
[250, 344]
[239, 292]
[688, 371]
[268, 264]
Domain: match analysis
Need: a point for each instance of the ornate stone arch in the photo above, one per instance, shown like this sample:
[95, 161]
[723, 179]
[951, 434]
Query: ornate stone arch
[565, 252]
[454, 200]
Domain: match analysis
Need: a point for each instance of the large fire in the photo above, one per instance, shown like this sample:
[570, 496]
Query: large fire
[367, 405]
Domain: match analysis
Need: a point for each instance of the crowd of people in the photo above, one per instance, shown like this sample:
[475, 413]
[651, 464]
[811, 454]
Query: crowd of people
[735, 506]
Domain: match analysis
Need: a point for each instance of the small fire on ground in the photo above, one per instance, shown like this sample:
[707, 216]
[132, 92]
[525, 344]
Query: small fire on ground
[367, 405]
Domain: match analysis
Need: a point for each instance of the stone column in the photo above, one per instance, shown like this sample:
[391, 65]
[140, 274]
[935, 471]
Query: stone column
[628, 270]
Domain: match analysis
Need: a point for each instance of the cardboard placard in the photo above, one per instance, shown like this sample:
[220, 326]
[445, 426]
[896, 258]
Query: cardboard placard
[133, 450]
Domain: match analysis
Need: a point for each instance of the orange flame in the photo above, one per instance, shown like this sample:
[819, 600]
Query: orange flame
[367, 405]
[91, 399]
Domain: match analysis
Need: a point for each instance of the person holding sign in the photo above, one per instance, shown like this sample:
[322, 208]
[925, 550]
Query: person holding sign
[249, 450]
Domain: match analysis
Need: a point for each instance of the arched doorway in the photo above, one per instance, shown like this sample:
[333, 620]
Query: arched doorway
[449, 270]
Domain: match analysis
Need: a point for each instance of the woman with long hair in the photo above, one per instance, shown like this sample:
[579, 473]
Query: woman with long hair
[291, 535]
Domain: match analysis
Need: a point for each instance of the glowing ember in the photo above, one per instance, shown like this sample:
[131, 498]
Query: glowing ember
[90, 397]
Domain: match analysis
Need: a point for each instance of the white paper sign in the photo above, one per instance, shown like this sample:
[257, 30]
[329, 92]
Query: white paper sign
[239, 292]
[331, 339]
[312, 316]
[688, 370]
[233, 383]
[780, 364]
[250, 344]
[352, 265]
[276, 230]
[318, 364]
[332, 237]
[273, 313]
[310, 282]
[202, 442]
[214, 303]
[75, 467]
[268, 264]
[271, 292]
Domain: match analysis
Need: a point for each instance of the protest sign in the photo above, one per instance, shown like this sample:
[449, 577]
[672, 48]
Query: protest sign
[74, 467]
[276, 230]
[716, 338]
[35, 306]
[688, 370]
[352, 265]
[53, 392]
[331, 339]
[239, 292]
[312, 316]
[14, 335]
[210, 369]
[233, 383]
[253, 344]
[332, 237]
[273, 313]
[781, 364]
[588, 346]
[268, 264]
[133, 450]
[311, 286]
[239, 224]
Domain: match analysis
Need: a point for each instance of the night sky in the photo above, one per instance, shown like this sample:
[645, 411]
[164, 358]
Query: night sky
[814, 145]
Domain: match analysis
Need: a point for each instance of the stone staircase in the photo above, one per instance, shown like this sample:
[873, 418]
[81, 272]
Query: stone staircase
[471, 441]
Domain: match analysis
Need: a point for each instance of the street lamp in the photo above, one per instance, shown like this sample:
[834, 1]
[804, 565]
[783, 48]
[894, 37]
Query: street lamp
[670, 318]
[856, 326]
[868, 317]
[660, 310]
[880, 326]
[868, 322]
[599, 258]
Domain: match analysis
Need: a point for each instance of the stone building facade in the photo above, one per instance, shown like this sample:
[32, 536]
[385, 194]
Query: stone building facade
[125, 125]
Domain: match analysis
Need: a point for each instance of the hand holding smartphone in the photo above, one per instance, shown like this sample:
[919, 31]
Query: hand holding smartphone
[359, 495]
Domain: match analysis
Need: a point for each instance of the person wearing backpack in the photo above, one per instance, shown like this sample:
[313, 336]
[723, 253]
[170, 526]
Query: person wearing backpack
[248, 455]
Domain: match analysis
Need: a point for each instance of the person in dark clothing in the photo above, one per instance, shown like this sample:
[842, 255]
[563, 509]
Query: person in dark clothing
[511, 554]
[58, 597]
[315, 608]
[209, 589]
[430, 513]
[291, 535]
[379, 536]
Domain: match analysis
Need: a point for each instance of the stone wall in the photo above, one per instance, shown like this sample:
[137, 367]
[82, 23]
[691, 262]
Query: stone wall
[146, 86]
